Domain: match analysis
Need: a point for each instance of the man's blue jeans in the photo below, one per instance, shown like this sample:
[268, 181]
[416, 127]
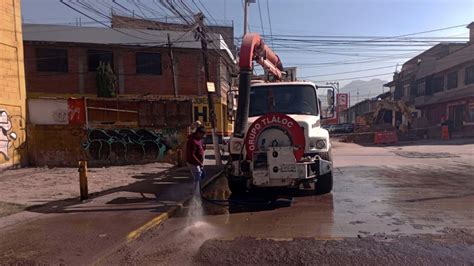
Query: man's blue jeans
[197, 172]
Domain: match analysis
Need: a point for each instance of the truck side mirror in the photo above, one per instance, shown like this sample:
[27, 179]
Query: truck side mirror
[330, 97]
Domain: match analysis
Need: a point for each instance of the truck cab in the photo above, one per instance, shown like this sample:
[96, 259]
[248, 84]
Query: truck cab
[284, 144]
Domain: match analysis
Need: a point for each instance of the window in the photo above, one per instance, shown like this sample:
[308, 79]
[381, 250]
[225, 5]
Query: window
[420, 87]
[94, 57]
[471, 112]
[291, 99]
[148, 63]
[429, 85]
[452, 80]
[51, 60]
[438, 84]
[469, 78]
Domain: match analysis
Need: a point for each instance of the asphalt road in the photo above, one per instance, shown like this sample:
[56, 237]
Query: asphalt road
[410, 204]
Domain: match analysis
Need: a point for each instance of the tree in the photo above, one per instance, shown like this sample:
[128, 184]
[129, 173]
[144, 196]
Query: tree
[105, 80]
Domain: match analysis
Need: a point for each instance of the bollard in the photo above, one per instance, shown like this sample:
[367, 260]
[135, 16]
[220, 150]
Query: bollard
[83, 180]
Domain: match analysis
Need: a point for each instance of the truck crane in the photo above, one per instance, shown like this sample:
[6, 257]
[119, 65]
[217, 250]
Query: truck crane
[277, 140]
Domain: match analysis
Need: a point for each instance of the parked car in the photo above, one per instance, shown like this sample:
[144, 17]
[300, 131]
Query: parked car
[329, 128]
[342, 128]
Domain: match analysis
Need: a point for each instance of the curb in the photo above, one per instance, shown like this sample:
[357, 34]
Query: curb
[155, 222]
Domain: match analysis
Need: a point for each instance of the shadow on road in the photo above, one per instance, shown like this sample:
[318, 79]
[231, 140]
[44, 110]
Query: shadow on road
[152, 191]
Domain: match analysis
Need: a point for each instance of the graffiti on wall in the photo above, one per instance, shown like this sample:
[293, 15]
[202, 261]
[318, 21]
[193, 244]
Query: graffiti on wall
[129, 145]
[6, 133]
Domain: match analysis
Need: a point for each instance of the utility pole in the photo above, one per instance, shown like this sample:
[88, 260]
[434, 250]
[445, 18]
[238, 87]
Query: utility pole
[170, 54]
[246, 17]
[202, 35]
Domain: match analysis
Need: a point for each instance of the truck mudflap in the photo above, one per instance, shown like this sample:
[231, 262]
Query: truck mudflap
[278, 167]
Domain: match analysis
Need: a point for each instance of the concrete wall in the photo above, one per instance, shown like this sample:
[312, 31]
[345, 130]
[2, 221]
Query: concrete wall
[65, 145]
[12, 86]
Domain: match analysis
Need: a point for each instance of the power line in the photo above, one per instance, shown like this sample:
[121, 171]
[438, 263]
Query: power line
[359, 77]
[115, 29]
[269, 22]
[347, 72]
[260, 15]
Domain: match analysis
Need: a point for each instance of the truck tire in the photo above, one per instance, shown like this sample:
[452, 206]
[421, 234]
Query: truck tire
[236, 186]
[324, 183]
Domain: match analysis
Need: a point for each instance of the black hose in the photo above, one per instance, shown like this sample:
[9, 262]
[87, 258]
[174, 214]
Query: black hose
[243, 103]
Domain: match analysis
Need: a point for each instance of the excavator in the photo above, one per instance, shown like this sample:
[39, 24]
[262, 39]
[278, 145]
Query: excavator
[277, 140]
[394, 105]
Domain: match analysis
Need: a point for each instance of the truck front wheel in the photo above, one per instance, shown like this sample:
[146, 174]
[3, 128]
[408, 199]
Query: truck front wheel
[323, 184]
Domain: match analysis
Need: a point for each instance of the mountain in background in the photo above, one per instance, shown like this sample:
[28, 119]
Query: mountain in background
[367, 89]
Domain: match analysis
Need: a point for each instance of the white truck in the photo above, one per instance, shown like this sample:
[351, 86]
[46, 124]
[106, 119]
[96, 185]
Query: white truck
[278, 140]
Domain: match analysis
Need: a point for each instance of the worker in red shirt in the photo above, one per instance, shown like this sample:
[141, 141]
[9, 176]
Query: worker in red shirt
[195, 154]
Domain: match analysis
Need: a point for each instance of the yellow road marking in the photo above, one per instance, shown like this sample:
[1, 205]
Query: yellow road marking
[151, 224]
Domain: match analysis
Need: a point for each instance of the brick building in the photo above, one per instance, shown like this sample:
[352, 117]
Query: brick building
[226, 31]
[440, 81]
[62, 61]
[12, 86]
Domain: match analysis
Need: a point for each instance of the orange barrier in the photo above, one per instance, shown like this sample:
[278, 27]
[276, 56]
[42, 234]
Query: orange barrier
[385, 137]
[444, 132]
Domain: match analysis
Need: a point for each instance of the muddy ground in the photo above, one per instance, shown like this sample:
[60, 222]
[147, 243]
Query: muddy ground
[390, 205]
[455, 247]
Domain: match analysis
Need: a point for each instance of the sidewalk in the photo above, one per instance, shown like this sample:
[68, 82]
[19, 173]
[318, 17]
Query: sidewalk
[27, 187]
[76, 233]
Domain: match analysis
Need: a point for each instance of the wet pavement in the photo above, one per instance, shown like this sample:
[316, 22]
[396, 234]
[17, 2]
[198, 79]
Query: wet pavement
[379, 196]
[70, 232]
[392, 205]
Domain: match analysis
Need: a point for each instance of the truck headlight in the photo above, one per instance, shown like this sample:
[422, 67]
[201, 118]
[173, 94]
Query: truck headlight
[320, 144]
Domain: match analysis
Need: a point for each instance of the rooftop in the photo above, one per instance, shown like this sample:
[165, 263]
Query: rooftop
[118, 36]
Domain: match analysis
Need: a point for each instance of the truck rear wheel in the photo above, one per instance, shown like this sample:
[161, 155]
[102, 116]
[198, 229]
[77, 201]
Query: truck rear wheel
[236, 186]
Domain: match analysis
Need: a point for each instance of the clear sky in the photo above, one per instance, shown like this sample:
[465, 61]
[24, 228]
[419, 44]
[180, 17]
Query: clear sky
[310, 18]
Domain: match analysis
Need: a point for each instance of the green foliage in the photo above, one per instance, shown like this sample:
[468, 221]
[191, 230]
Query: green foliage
[105, 81]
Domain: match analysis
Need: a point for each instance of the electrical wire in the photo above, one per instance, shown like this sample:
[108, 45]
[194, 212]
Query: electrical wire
[261, 19]
[347, 72]
[358, 77]
[269, 23]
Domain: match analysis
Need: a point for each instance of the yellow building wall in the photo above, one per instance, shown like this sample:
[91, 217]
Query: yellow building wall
[12, 86]
[201, 113]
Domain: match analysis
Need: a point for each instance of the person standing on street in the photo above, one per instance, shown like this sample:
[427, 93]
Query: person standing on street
[195, 154]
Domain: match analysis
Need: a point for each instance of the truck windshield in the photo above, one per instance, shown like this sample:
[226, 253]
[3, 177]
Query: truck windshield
[289, 99]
